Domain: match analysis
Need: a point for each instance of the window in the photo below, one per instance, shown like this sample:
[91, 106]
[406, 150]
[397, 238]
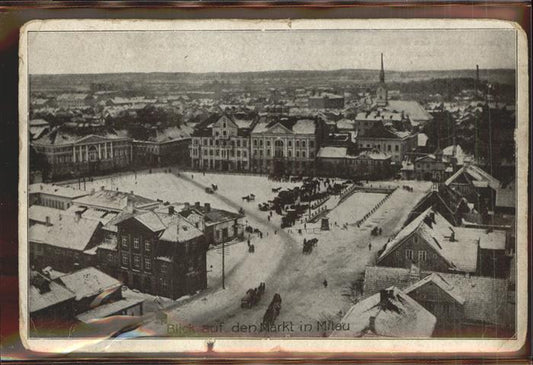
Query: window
[297, 143]
[137, 261]
[289, 153]
[136, 243]
[311, 144]
[422, 256]
[147, 264]
[147, 246]
[389, 148]
[238, 153]
[268, 152]
[125, 259]
[243, 153]
[303, 154]
[312, 155]
[409, 254]
[397, 148]
[261, 143]
[255, 142]
[216, 142]
[205, 142]
[297, 153]
[238, 143]
[164, 268]
[303, 143]
[289, 143]
[244, 143]
[224, 133]
[125, 242]
[205, 152]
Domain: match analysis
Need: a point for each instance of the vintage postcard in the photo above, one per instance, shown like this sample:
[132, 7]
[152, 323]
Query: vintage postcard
[273, 186]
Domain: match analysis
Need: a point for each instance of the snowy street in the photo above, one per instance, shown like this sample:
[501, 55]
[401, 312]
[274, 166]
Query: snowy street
[342, 252]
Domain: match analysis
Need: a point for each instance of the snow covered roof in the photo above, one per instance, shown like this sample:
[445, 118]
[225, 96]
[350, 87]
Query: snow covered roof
[332, 152]
[439, 281]
[485, 298]
[304, 126]
[108, 309]
[38, 213]
[460, 254]
[114, 200]
[56, 190]
[393, 313]
[66, 232]
[373, 154]
[42, 299]
[180, 231]
[346, 124]
[411, 108]
[89, 282]
[151, 221]
[482, 178]
[493, 240]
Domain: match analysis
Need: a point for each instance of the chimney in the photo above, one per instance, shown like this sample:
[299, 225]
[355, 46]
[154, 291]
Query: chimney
[102, 188]
[207, 207]
[48, 221]
[129, 205]
[41, 186]
[452, 237]
[187, 206]
[372, 324]
[171, 210]
[77, 217]
[131, 192]
[197, 204]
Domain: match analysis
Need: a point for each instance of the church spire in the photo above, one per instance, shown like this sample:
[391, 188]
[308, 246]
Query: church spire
[382, 72]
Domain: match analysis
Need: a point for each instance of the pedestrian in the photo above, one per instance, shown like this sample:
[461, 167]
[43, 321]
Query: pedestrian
[369, 246]
[325, 283]
[192, 177]
[248, 242]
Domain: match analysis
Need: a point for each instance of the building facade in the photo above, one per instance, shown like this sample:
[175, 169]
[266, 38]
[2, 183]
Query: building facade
[284, 147]
[161, 258]
[71, 155]
[222, 145]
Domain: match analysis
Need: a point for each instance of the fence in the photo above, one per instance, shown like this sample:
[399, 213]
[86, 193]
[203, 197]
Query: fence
[372, 211]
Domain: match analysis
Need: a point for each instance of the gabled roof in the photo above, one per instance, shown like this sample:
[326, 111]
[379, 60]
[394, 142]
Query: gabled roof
[89, 282]
[477, 175]
[66, 232]
[460, 254]
[485, 298]
[39, 300]
[439, 281]
[397, 315]
[151, 221]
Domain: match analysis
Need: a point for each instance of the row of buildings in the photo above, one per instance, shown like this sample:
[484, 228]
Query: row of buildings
[156, 247]
[66, 151]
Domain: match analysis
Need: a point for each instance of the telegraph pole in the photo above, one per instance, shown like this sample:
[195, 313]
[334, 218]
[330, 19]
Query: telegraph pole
[223, 269]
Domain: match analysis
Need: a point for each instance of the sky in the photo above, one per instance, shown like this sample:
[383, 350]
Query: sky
[238, 51]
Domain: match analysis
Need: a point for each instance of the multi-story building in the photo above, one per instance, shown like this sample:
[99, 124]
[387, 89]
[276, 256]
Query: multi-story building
[53, 196]
[337, 161]
[222, 144]
[68, 153]
[163, 147]
[161, 254]
[387, 140]
[286, 146]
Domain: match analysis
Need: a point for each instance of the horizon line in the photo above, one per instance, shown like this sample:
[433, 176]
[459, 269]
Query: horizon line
[263, 71]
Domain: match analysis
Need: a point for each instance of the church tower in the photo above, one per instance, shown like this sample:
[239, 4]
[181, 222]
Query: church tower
[381, 92]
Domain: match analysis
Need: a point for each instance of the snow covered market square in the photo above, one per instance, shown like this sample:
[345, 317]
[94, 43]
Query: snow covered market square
[313, 286]
[357, 192]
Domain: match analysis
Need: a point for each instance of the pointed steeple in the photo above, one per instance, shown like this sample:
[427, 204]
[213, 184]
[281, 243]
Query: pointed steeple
[382, 72]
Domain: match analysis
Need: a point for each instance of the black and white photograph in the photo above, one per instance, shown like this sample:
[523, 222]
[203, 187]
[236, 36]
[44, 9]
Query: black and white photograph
[298, 181]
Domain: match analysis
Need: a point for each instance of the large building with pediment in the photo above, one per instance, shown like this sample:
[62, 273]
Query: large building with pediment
[66, 153]
[222, 143]
[285, 147]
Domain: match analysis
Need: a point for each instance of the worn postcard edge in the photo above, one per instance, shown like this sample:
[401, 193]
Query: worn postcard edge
[283, 345]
